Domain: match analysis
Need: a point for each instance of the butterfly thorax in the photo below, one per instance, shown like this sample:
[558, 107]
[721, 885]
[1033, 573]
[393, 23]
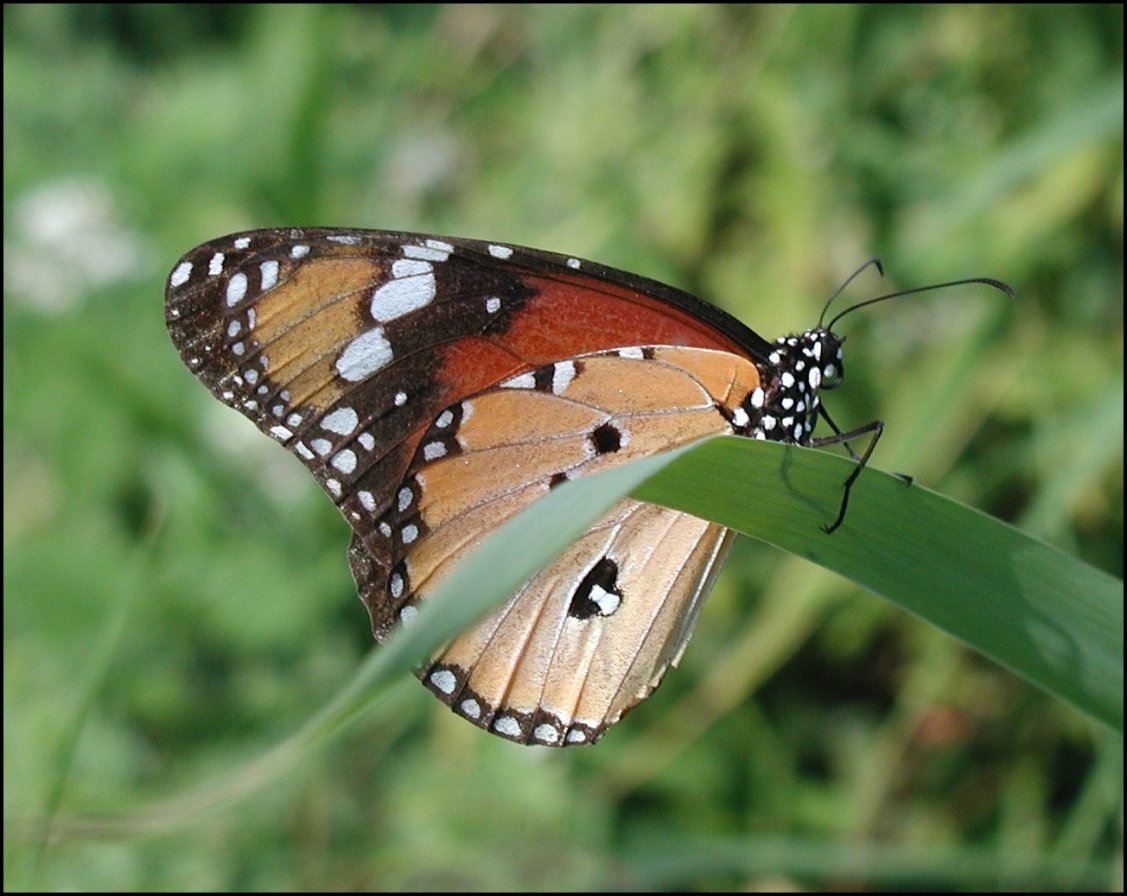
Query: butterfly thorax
[784, 407]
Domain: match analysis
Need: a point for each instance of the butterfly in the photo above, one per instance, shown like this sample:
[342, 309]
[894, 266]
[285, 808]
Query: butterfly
[436, 386]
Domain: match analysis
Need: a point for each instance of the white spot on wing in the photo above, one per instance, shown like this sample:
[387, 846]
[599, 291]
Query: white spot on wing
[364, 355]
[342, 421]
[410, 267]
[299, 251]
[470, 708]
[413, 287]
[181, 274]
[507, 725]
[546, 734]
[562, 375]
[215, 266]
[606, 601]
[236, 288]
[500, 251]
[269, 274]
[524, 381]
[242, 242]
[345, 461]
[444, 680]
[426, 253]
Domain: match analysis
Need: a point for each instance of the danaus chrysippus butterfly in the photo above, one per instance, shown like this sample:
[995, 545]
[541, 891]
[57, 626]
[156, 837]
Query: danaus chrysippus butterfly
[436, 386]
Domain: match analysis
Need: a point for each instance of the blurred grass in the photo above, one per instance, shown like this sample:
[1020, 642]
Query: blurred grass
[753, 155]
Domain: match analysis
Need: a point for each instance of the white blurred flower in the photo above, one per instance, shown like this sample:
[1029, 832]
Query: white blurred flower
[65, 243]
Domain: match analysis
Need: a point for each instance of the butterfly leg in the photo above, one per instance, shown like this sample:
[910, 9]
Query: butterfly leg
[874, 430]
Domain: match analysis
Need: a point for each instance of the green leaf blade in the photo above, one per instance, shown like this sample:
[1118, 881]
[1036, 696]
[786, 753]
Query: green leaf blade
[1049, 618]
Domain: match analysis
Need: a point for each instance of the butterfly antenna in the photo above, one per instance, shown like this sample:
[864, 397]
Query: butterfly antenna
[872, 262]
[997, 284]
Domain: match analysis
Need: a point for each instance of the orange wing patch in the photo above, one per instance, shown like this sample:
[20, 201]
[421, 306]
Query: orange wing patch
[591, 635]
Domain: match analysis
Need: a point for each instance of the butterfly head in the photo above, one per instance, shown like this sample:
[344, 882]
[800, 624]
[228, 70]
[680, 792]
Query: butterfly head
[823, 352]
[784, 407]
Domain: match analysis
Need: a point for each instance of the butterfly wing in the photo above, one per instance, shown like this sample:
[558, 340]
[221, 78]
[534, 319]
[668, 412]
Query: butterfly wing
[591, 635]
[344, 345]
[356, 349]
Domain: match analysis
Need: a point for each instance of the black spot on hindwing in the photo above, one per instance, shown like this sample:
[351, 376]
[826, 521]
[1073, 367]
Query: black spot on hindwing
[597, 594]
[607, 438]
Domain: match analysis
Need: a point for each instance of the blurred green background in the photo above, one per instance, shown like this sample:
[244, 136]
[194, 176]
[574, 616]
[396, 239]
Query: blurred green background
[174, 605]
